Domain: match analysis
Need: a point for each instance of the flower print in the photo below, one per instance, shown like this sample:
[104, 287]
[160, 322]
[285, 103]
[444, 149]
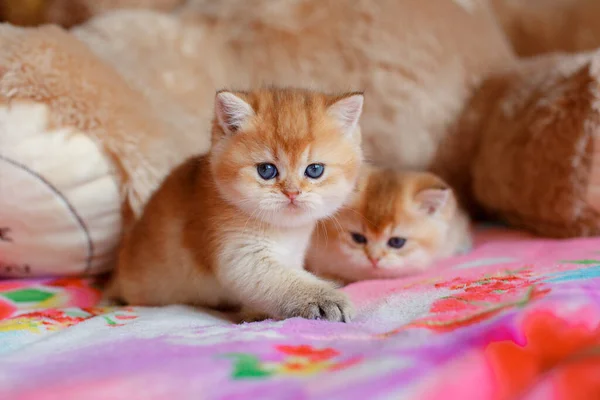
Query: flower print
[20, 324]
[37, 321]
[120, 316]
[500, 282]
[301, 367]
[6, 309]
[583, 262]
[568, 353]
[53, 319]
[587, 273]
[308, 352]
[69, 282]
[48, 320]
[299, 360]
[248, 366]
[480, 299]
[306, 366]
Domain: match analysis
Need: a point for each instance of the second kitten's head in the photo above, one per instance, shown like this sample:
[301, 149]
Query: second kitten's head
[286, 156]
[396, 224]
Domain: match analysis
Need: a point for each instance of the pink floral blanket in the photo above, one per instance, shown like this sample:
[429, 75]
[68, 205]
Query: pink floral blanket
[518, 318]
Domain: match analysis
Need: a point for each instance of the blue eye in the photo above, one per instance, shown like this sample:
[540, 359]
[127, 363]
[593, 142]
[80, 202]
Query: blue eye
[396, 242]
[266, 171]
[314, 171]
[358, 238]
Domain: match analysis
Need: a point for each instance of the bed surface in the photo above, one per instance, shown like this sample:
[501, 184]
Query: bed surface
[519, 317]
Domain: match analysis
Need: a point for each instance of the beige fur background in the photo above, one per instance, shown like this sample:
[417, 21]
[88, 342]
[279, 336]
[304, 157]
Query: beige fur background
[435, 73]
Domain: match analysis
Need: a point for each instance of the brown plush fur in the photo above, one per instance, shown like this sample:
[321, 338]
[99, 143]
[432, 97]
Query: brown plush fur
[81, 91]
[70, 12]
[543, 26]
[216, 233]
[418, 208]
[416, 96]
[417, 84]
[536, 164]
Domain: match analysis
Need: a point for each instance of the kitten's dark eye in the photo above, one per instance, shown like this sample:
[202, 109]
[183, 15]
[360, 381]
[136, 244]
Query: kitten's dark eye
[358, 238]
[396, 242]
[266, 171]
[314, 171]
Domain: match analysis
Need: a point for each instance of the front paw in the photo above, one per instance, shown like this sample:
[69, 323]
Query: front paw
[320, 302]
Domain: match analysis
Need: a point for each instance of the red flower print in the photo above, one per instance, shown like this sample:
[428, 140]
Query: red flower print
[303, 360]
[452, 304]
[53, 317]
[309, 352]
[125, 317]
[69, 282]
[345, 364]
[6, 310]
[566, 353]
[477, 300]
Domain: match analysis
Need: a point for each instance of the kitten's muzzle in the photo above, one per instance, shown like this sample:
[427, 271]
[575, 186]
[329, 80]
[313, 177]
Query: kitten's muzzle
[374, 261]
[291, 194]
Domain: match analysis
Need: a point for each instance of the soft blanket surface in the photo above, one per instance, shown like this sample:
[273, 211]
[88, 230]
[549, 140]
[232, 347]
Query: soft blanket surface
[519, 317]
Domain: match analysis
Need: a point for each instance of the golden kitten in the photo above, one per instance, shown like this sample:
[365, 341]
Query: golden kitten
[231, 228]
[397, 223]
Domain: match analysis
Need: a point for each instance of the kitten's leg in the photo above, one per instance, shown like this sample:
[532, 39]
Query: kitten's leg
[164, 273]
[333, 280]
[264, 283]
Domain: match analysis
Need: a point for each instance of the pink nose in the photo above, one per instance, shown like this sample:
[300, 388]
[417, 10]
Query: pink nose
[374, 261]
[292, 195]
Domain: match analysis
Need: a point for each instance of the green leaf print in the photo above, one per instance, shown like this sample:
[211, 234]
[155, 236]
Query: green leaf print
[248, 367]
[28, 295]
[582, 262]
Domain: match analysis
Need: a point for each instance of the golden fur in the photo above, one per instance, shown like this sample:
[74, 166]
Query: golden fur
[216, 234]
[416, 207]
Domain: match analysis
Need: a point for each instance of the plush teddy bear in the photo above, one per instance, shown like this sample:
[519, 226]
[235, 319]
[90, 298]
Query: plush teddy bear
[80, 152]
[95, 117]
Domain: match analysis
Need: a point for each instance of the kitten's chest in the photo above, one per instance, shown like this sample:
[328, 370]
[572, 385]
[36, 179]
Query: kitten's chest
[290, 246]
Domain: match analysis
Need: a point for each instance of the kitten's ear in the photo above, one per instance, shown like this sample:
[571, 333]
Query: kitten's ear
[346, 112]
[231, 111]
[430, 201]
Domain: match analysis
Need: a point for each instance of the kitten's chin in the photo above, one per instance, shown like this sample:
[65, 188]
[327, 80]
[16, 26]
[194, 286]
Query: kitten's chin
[289, 218]
[361, 270]
[367, 272]
[296, 215]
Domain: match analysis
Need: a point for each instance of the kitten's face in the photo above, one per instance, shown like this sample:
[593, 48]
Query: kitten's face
[287, 157]
[393, 249]
[395, 228]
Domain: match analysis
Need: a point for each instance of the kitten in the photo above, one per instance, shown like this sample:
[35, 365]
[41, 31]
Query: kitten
[231, 228]
[396, 223]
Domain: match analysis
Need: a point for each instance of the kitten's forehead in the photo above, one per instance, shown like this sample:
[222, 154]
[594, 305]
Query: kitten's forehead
[284, 156]
[387, 197]
[288, 114]
[292, 124]
[382, 200]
